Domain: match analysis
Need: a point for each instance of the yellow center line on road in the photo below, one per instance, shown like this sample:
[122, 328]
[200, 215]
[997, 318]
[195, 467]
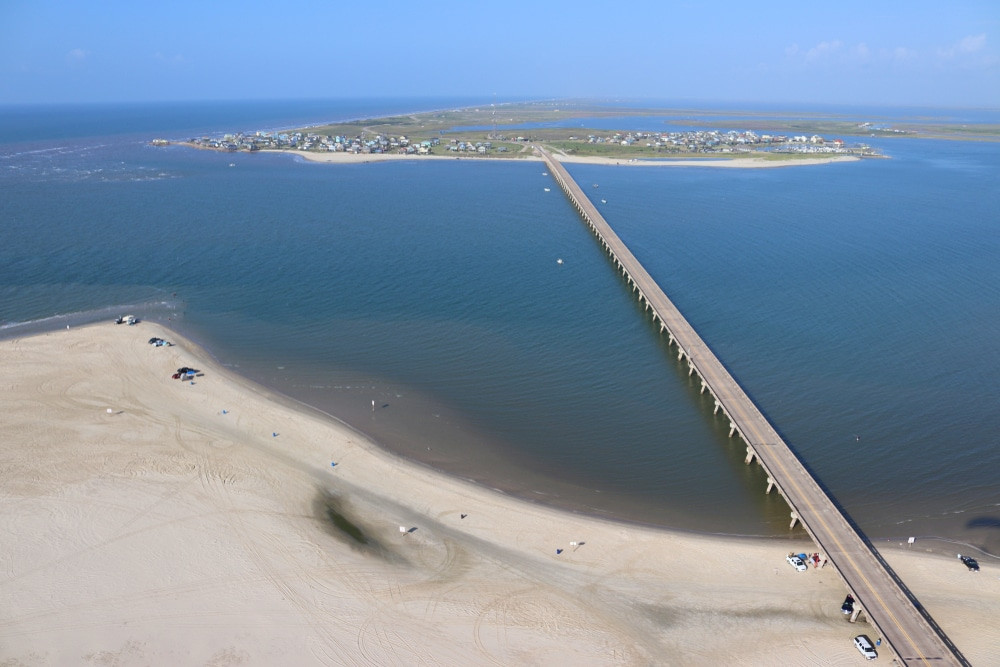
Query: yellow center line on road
[746, 417]
[850, 558]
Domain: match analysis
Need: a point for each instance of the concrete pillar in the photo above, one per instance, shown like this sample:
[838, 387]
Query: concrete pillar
[770, 485]
[716, 410]
[750, 454]
[703, 387]
[855, 613]
[732, 429]
[795, 519]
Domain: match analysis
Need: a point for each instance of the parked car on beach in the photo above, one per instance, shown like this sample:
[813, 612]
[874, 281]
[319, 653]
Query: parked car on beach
[970, 562]
[797, 561]
[848, 606]
[864, 645]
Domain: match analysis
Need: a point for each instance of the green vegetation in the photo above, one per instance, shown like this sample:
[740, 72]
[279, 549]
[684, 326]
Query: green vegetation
[503, 123]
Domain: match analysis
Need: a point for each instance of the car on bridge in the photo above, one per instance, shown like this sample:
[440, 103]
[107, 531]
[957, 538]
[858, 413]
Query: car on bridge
[797, 561]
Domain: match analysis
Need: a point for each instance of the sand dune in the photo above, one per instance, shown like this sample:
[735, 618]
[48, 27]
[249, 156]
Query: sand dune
[202, 522]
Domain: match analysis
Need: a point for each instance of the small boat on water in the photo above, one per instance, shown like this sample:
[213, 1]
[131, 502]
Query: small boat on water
[547, 189]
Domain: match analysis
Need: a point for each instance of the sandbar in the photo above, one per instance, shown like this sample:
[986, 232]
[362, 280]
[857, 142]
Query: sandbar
[152, 520]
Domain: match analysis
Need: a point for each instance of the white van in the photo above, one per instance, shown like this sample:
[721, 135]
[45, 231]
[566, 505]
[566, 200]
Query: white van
[864, 645]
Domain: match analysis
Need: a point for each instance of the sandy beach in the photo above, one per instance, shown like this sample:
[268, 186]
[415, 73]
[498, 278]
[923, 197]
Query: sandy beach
[206, 521]
[749, 162]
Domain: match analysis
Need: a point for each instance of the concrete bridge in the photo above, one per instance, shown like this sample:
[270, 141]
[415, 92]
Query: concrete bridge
[896, 615]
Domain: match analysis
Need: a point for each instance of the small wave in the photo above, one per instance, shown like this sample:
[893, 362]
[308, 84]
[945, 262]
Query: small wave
[81, 317]
[10, 156]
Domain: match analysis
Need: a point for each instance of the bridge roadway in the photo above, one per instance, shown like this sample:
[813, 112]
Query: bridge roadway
[896, 615]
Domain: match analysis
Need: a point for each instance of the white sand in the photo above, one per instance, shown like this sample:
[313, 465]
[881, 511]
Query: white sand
[748, 162]
[169, 533]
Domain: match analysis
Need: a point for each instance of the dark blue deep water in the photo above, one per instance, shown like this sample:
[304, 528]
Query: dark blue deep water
[858, 303]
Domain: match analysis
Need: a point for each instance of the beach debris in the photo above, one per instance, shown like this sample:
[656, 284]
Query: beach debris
[225, 412]
[333, 464]
[464, 515]
[110, 411]
[274, 434]
[558, 551]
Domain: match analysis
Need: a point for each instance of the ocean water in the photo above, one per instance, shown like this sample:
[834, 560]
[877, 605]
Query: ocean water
[859, 304]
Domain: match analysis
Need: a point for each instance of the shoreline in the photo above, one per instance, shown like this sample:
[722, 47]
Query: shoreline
[750, 162]
[754, 162]
[168, 519]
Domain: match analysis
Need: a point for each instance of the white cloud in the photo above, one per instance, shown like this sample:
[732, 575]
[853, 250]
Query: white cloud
[175, 59]
[837, 52]
[76, 57]
[964, 46]
[824, 50]
[972, 43]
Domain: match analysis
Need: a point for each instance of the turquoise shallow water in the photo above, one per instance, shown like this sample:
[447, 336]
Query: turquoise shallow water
[857, 303]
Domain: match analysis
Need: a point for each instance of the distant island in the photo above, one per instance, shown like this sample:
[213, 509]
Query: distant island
[509, 130]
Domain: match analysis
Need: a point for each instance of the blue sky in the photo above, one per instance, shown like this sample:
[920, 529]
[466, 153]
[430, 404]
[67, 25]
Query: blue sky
[849, 52]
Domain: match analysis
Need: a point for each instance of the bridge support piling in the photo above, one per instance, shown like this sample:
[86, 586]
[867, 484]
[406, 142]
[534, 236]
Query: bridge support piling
[910, 636]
